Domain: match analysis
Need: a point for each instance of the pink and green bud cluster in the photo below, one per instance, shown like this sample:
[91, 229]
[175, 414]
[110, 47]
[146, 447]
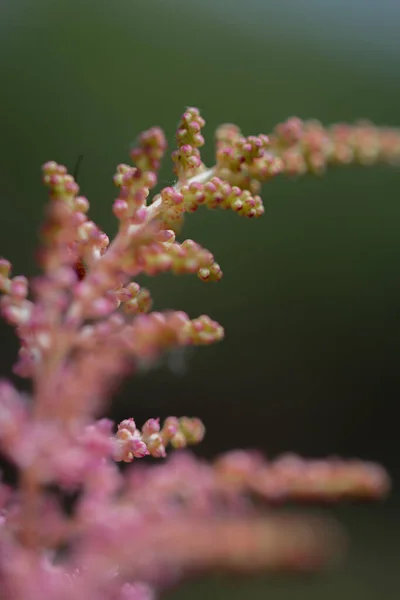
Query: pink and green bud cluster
[215, 193]
[153, 439]
[308, 146]
[150, 150]
[290, 477]
[86, 323]
[189, 139]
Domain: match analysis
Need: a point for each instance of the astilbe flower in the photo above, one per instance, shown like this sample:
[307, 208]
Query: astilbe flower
[85, 323]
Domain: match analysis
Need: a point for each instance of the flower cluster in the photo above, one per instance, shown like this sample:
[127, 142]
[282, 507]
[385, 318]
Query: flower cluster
[132, 443]
[86, 322]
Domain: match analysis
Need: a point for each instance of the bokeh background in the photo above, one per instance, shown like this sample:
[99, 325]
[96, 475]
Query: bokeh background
[311, 296]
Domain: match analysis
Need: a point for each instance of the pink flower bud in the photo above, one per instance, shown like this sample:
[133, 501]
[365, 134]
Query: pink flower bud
[138, 448]
[150, 427]
[128, 424]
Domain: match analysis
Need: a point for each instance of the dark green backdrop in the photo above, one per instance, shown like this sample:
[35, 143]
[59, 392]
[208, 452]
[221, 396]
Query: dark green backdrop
[310, 299]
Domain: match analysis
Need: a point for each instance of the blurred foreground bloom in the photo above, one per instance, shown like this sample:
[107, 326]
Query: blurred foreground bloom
[85, 323]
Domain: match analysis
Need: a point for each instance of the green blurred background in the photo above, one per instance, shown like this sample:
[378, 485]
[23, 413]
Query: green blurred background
[311, 297]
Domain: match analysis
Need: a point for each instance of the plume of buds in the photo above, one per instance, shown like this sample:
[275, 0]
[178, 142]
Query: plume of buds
[85, 323]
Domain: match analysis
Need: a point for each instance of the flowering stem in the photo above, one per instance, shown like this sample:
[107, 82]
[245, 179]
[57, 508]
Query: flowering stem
[88, 319]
